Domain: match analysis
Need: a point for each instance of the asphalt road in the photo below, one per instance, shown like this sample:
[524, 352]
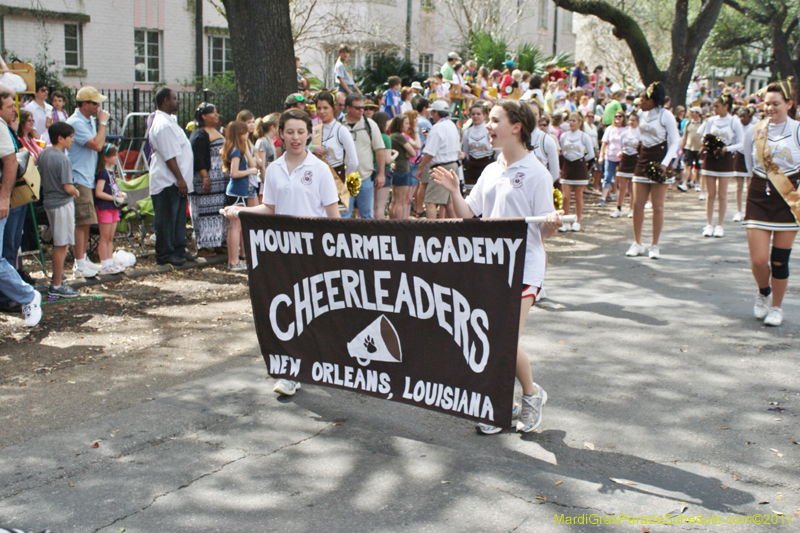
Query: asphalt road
[660, 386]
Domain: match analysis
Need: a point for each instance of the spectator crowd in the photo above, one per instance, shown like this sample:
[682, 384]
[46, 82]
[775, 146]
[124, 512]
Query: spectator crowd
[380, 152]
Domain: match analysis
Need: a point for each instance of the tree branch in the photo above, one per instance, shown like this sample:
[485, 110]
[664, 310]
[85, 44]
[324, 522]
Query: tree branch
[625, 28]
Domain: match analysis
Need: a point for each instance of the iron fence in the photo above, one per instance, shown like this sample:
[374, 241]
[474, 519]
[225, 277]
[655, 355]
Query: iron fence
[120, 103]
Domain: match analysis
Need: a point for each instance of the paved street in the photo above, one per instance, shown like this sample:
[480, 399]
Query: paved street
[660, 384]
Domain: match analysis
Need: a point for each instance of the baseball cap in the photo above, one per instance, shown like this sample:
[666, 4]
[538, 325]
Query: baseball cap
[294, 98]
[453, 55]
[696, 109]
[90, 94]
[440, 105]
[509, 64]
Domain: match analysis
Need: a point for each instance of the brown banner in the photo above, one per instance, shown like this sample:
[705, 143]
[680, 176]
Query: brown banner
[423, 313]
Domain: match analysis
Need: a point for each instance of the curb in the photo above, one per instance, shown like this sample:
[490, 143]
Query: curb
[200, 262]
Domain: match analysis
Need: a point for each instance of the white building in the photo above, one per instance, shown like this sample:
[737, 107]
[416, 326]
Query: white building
[121, 44]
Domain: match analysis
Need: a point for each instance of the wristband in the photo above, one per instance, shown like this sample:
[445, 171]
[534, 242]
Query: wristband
[104, 123]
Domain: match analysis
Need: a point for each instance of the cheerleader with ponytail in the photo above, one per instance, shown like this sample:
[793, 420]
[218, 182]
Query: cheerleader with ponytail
[660, 140]
[772, 213]
[576, 146]
[722, 136]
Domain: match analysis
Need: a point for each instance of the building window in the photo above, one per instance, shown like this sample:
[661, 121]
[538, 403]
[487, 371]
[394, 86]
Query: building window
[220, 57]
[147, 55]
[543, 13]
[425, 64]
[72, 45]
[426, 5]
[566, 21]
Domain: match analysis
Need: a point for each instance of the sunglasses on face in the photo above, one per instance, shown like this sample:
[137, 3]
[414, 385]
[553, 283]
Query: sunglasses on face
[358, 107]
[619, 116]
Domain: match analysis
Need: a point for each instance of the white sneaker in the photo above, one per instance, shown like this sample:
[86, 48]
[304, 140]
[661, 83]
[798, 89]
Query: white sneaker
[630, 213]
[84, 271]
[697, 188]
[653, 252]
[762, 306]
[775, 317]
[33, 310]
[648, 205]
[576, 226]
[112, 269]
[93, 265]
[286, 387]
[541, 294]
[738, 217]
[565, 227]
[719, 232]
[634, 250]
[531, 416]
[701, 196]
[616, 213]
[708, 231]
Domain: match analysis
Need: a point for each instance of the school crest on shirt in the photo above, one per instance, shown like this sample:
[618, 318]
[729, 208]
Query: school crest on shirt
[516, 181]
[306, 179]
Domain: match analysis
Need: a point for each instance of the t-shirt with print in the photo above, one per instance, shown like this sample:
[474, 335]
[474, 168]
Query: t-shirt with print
[108, 188]
[56, 171]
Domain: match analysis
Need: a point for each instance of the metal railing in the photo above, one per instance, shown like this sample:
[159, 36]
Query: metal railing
[122, 102]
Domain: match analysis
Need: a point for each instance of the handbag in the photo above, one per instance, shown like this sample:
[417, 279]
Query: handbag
[27, 187]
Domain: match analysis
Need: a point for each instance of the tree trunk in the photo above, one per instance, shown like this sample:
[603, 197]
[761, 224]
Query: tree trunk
[687, 40]
[263, 53]
[781, 53]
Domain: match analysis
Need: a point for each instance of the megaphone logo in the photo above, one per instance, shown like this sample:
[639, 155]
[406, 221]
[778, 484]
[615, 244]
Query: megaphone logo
[376, 342]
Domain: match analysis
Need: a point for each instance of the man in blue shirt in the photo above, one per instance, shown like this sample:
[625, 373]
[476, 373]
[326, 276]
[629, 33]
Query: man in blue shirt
[89, 139]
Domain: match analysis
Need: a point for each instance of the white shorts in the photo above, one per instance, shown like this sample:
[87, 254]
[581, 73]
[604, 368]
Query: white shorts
[62, 222]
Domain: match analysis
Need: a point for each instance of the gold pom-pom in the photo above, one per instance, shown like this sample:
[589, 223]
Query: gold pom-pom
[354, 183]
[558, 199]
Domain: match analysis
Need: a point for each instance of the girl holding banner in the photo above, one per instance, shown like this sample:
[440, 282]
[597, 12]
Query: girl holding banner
[516, 185]
[772, 154]
[296, 184]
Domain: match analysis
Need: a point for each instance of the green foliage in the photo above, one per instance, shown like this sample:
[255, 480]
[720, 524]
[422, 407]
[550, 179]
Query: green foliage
[741, 44]
[489, 51]
[531, 58]
[314, 82]
[220, 84]
[386, 64]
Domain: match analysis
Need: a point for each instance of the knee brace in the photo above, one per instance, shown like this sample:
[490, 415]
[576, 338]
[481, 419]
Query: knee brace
[780, 255]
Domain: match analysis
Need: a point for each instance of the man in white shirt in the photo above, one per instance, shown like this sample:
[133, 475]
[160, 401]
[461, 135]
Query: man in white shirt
[442, 148]
[40, 109]
[171, 167]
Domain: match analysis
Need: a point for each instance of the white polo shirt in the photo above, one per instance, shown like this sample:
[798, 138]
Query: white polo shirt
[522, 189]
[305, 192]
[168, 141]
[443, 142]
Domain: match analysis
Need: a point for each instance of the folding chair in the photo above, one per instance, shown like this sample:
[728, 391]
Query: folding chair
[138, 214]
